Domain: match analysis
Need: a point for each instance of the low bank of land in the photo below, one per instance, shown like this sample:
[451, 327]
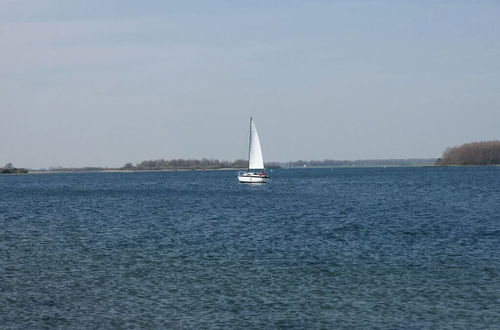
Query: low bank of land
[475, 153]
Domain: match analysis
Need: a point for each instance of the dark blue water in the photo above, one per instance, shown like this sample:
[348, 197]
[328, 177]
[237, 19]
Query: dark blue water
[392, 248]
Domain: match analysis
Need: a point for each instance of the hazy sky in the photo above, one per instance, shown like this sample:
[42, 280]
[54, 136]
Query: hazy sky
[102, 83]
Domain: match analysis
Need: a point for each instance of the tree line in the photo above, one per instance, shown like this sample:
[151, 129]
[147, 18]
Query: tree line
[185, 164]
[9, 168]
[362, 162]
[475, 153]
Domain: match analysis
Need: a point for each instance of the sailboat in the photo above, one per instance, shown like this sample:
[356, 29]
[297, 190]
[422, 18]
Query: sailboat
[256, 172]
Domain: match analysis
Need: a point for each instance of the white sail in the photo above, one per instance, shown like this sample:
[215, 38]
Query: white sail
[255, 160]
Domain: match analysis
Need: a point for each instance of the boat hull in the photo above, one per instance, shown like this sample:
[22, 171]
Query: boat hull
[252, 178]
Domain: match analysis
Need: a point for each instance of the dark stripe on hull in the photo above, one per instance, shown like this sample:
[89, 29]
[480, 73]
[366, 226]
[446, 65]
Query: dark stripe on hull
[252, 181]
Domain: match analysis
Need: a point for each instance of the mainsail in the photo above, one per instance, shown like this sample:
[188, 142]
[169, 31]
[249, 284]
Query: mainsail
[255, 160]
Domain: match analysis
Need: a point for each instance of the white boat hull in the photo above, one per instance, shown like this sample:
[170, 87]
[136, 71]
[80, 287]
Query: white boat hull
[252, 178]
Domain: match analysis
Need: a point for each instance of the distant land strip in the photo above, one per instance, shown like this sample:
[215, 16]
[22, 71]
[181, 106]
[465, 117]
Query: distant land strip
[214, 164]
[162, 164]
[475, 153]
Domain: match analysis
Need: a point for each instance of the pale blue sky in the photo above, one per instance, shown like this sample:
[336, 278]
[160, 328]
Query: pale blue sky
[106, 82]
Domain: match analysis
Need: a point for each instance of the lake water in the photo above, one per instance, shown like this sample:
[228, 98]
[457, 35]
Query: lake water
[392, 248]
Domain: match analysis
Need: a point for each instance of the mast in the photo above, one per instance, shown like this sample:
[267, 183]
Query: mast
[250, 143]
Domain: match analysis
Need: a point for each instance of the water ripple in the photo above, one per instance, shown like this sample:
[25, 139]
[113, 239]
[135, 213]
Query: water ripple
[334, 248]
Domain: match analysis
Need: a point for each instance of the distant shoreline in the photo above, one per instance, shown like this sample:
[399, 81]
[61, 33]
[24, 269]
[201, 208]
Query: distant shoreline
[212, 169]
[129, 171]
[38, 172]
